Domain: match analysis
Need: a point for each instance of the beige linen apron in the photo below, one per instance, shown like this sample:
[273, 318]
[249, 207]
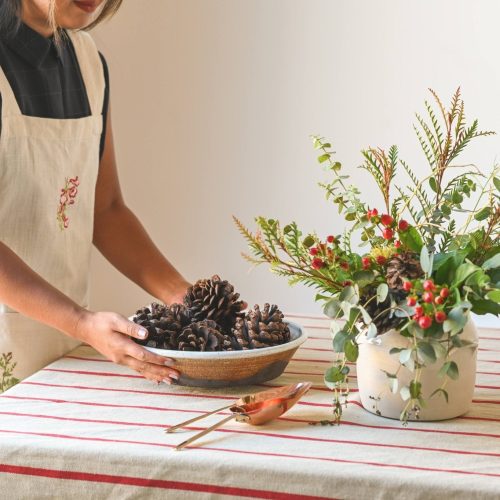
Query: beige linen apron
[48, 173]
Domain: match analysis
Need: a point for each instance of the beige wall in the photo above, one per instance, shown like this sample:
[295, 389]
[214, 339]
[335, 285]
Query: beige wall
[214, 100]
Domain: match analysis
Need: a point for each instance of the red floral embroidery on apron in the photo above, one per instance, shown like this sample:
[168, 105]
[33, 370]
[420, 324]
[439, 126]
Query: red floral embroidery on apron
[67, 198]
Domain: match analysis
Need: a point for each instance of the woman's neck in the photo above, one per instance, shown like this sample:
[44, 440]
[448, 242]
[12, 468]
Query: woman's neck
[36, 20]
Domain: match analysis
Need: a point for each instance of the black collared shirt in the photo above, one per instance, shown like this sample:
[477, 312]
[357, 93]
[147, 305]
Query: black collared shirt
[46, 78]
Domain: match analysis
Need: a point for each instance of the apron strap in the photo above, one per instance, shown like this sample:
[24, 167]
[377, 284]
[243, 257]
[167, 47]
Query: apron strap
[9, 102]
[91, 69]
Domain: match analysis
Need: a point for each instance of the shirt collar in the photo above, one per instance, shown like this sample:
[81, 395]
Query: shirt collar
[31, 46]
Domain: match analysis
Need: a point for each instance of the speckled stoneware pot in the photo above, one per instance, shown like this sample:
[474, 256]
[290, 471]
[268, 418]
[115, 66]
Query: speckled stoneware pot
[233, 368]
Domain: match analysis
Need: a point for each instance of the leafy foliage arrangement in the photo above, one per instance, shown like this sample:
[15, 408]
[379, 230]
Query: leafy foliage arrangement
[421, 272]
[7, 366]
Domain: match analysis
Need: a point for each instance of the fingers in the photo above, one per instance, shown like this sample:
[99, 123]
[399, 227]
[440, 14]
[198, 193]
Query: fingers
[138, 352]
[123, 325]
[152, 371]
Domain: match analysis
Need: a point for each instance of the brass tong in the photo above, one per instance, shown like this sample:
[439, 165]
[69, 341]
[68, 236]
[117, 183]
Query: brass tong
[253, 409]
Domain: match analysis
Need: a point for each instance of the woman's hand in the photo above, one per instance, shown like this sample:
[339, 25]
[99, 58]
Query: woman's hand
[109, 333]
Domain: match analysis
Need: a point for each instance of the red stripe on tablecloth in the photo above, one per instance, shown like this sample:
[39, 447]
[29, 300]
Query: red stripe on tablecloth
[256, 433]
[261, 453]
[134, 391]
[488, 387]
[152, 483]
[85, 372]
[287, 419]
[316, 349]
[489, 373]
[110, 374]
[206, 396]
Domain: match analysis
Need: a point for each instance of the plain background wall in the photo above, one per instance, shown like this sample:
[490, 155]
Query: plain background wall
[214, 101]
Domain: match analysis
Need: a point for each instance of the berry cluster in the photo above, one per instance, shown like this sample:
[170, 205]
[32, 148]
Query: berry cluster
[431, 304]
[388, 226]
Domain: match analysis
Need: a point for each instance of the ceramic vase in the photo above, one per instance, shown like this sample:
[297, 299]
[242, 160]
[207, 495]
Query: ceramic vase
[376, 395]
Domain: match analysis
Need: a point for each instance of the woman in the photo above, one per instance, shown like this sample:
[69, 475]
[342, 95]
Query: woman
[59, 194]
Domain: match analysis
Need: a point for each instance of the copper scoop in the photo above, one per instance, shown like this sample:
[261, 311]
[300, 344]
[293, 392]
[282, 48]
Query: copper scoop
[254, 409]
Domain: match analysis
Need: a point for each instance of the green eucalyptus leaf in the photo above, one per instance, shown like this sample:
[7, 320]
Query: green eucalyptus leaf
[411, 238]
[405, 393]
[324, 157]
[363, 277]
[335, 327]
[492, 263]
[483, 306]
[372, 331]
[333, 376]
[382, 292]
[349, 294]
[339, 340]
[415, 389]
[332, 308]
[426, 351]
[396, 350]
[483, 214]
[463, 272]
[496, 181]
[493, 295]
[405, 356]
[351, 350]
[455, 322]
[439, 349]
[426, 261]
[478, 278]
[433, 184]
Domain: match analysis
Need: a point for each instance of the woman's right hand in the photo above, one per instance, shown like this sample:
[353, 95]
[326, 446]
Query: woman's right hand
[109, 333]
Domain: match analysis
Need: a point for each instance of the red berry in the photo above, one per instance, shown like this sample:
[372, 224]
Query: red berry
[429, 285]
[387, 233]
[411, 301]
[424, 322]
[381, 259]
[317, 263]
[347, 283]
[407, 286]
[440, 316]
[386, 220]
[330, 239]
[444, 292]
[313, 251]
[374, 212]
[428, 297]
[397, 243]
[344, 265]
[403, 225]
[366, 262]
[439, 300]
[419, 310]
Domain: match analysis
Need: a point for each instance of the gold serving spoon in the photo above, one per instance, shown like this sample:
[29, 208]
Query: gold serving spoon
[253, 409]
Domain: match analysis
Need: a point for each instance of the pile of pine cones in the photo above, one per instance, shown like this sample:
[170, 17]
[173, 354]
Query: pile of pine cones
[211, 320]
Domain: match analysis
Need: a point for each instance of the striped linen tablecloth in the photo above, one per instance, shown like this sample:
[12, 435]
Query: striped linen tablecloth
[86, 428]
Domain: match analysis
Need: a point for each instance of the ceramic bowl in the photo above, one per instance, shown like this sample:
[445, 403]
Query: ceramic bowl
[234, 368]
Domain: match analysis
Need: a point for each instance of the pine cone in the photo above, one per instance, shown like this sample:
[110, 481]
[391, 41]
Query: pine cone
[161, 322]
[215, 300]
[401, 267]
[260, 329]
[388, 320]
[200, 336]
